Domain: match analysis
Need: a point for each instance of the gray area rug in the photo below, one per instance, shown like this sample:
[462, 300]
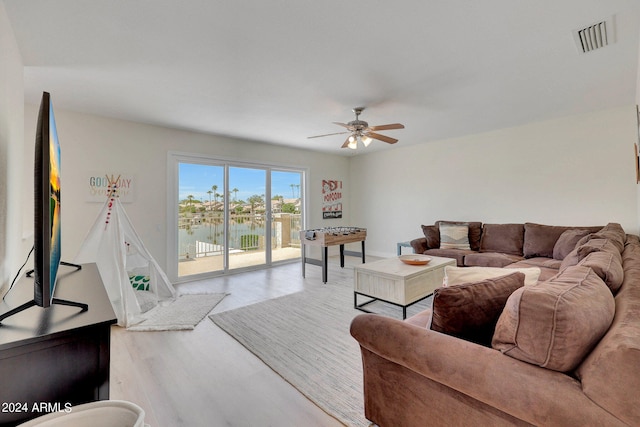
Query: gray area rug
[304, 337]
[182, 314]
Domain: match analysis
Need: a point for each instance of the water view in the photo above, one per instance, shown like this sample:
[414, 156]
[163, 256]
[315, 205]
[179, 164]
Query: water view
[201, 216]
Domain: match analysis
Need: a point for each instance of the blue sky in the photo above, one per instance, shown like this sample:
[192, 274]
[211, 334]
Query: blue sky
[196, 180]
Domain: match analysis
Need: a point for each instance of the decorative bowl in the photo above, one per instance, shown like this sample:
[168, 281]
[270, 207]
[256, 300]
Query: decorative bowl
[414, 259]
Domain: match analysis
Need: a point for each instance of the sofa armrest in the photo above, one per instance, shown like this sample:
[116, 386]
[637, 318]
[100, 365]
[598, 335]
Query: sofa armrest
[530, 393]
[419, 245]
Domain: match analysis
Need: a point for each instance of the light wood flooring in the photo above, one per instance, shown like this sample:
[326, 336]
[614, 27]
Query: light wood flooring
[206, 378]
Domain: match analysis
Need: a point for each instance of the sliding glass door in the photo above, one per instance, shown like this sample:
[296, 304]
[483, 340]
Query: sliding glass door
[286, 212]
[249, 219]
[233, 216]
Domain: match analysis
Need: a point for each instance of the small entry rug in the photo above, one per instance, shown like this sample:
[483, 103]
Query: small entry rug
[182, 314]
[304, 337]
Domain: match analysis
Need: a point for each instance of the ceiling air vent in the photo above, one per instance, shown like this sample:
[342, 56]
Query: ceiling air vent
[595, 36]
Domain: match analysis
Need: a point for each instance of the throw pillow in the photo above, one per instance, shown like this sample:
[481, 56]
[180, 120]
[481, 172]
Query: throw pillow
[459, 275]
[475, 231]
[555, 324]
[470, 311]
[567, 242]
[432, 234]
[139, 283]
[454, 236]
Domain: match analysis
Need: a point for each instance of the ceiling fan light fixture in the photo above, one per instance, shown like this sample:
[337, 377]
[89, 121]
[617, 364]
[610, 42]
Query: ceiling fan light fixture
[360, 132]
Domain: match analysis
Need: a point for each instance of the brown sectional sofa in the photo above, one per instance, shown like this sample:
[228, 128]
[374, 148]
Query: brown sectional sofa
[502, 245]
[565, 352]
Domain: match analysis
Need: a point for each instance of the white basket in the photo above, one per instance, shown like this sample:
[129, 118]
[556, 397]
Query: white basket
[103, 413]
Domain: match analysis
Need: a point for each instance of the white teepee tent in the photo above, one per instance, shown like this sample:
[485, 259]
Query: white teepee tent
[133, 279]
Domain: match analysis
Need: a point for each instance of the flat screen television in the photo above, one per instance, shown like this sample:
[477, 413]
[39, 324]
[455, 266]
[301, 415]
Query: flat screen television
[47, 246]
[46, 241]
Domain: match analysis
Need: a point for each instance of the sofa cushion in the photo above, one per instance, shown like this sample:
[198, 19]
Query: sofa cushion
[540, 239]
[612, 232]
[572, 258]
[607, 266]
[503, 238]
[598, 245]
[475, 231]
[555, 324]
[584, 247]
[432, 235]
[545, 272]
[548, 267]
[470, 311]
[460, 275]
[490, 259]
[541, 262]
[616, 358]
[567, 242]
[457, 254]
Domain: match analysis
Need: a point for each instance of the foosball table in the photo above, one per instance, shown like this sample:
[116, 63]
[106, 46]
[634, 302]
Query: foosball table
[331, 236]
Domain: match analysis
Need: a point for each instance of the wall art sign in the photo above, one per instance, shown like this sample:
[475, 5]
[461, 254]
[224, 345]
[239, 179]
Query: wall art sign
[99, 184]
[331, 199]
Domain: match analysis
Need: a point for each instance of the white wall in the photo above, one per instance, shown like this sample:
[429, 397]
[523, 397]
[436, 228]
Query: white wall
[13, 249]
[576, 170]
[90, 143]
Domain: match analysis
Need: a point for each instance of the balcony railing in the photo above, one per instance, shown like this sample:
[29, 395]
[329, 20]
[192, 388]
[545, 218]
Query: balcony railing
[202, 234]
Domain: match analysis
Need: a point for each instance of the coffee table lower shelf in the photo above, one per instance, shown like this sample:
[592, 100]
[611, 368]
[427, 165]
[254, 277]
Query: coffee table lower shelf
[362, 305]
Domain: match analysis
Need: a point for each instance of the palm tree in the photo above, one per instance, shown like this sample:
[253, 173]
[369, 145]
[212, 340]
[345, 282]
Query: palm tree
[254, 201]
[210, 214]
[209, 193]
[235, 193]
[215, 194]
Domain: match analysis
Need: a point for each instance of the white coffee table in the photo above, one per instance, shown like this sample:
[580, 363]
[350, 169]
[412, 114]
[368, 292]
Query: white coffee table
[392, 281]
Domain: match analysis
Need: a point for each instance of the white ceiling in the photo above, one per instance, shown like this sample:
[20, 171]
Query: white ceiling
[279, 71]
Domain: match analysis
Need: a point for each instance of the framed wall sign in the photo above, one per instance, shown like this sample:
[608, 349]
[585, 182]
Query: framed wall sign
[331, 199]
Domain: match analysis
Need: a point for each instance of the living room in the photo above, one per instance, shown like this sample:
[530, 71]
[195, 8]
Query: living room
[574, 167]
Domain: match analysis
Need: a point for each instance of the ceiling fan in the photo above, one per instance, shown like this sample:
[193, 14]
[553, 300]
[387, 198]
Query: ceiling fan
[361, 132]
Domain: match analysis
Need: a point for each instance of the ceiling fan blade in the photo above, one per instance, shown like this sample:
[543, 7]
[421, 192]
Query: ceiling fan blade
[344, 125]
[327, 134]
[381, 137]
[387, 127]
[346, 143]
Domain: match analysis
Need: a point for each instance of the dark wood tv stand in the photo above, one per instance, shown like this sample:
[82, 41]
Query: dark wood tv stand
[54, 357]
